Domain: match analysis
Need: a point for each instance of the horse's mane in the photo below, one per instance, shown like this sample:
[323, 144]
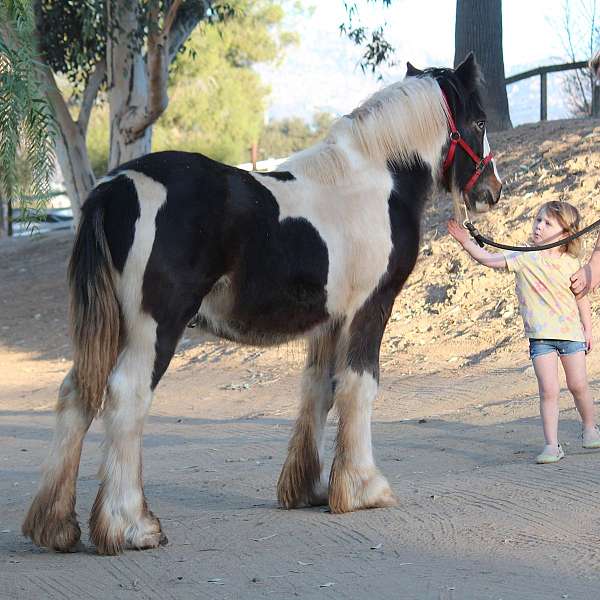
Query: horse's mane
[404, 122]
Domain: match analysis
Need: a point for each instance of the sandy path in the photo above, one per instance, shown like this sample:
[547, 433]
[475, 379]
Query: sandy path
[476, 518]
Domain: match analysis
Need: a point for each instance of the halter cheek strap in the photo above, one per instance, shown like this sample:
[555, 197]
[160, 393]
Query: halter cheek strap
[457, 140]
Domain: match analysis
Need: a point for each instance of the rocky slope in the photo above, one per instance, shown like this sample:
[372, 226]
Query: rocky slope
[455, 312]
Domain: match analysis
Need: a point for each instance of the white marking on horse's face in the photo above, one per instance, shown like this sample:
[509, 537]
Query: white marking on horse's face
[353, 220]
[486, 151]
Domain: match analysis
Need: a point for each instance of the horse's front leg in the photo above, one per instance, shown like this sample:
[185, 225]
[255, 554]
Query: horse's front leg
[302, 480]
[355, 482]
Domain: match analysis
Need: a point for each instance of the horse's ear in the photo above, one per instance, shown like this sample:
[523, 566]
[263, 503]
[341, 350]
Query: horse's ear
[412, 71]
[469, 72]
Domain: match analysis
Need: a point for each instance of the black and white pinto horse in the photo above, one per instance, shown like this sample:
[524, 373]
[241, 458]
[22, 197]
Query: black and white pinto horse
[319, 248]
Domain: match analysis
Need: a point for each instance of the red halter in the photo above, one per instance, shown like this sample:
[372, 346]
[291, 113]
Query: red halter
[457, 139]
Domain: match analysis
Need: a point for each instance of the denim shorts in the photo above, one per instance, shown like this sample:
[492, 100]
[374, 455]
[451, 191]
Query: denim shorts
[562, 347]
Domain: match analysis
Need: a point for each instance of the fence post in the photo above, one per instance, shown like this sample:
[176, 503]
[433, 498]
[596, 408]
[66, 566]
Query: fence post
[543, 97]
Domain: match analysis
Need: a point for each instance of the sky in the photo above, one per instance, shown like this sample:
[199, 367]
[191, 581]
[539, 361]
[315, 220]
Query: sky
[321, 74]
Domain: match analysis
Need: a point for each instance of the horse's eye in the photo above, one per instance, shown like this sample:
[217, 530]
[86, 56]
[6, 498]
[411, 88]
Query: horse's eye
[481, 125]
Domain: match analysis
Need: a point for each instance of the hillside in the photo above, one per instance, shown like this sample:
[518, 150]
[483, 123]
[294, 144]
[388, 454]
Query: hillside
[451, 313]
[456, 312]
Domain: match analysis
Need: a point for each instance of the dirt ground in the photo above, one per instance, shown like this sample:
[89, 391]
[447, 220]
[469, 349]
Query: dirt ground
[455, 430]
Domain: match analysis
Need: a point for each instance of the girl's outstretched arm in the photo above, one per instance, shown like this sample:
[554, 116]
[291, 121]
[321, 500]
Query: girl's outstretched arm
[483, 257]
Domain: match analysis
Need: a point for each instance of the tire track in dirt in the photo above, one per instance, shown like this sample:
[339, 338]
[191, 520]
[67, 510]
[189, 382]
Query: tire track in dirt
[128, 573]
[521, 518]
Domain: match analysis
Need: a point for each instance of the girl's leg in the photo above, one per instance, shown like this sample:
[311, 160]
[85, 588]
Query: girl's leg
[546, 371]
[577, 382]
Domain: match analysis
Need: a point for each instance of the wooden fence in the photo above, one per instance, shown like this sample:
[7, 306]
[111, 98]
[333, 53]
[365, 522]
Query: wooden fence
[543, 74]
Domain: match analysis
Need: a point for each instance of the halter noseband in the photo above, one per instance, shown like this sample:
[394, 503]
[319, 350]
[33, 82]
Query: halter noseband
[457, 140]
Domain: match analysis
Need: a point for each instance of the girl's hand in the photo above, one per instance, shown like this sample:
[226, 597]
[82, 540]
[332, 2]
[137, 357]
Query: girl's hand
[589, 341]
[580, 281]
[458, 232]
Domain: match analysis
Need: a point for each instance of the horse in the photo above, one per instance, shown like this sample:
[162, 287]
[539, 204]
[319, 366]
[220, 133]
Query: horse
[319, 248]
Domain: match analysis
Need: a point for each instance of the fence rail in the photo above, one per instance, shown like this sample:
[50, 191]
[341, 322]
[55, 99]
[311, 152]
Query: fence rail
[543, 74]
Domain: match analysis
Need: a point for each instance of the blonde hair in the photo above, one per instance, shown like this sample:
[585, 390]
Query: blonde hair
[568, 217]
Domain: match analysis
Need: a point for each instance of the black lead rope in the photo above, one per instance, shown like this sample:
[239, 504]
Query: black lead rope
[482, 240]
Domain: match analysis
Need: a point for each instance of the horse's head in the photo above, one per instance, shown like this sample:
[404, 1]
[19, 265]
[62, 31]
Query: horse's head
[468, 166]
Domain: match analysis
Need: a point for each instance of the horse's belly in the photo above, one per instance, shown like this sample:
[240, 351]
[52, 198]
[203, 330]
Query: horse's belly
[276, 316]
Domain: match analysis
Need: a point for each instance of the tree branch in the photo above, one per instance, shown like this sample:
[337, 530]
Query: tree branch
[190, 14]
[56, 99]
[158, 70]
[54, 95]
[90, 93]
[159, 57]
[171, 16]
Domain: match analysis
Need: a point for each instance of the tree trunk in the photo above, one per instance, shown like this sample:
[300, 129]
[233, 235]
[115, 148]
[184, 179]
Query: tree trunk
[479, 29]
[137, 92]
[9, 218]
[71, 150]
[127, 88]
[75, 166]
[3, 231]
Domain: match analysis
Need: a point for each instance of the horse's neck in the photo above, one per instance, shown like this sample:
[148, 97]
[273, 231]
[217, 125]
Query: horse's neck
[336, 161]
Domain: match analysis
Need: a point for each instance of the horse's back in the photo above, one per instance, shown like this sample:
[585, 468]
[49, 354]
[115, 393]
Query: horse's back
[209, 222]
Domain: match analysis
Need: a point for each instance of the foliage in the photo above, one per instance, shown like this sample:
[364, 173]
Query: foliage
[74, 33]
[72, 36]
[217, 101]
[284, 137]
[377, 50]
[97, 140]
[27, 127]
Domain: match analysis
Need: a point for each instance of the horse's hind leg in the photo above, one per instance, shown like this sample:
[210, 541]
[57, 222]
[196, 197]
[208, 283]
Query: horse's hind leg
[302, 480]
[120, 517]
[51, 520]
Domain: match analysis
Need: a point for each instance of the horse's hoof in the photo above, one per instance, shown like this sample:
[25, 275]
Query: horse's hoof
[153, 540]
[147, 534]
[351, 490]
[60, 535]
[297, 487]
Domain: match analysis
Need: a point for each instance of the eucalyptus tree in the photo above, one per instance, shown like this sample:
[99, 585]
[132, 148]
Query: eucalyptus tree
[123, 48]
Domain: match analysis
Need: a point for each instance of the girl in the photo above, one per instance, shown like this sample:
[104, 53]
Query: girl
[556, 323]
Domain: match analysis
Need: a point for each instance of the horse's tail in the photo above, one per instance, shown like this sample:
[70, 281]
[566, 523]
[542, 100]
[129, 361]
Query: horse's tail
[94, 309]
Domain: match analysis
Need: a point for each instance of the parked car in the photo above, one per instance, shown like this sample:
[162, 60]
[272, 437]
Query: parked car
[54, 219]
